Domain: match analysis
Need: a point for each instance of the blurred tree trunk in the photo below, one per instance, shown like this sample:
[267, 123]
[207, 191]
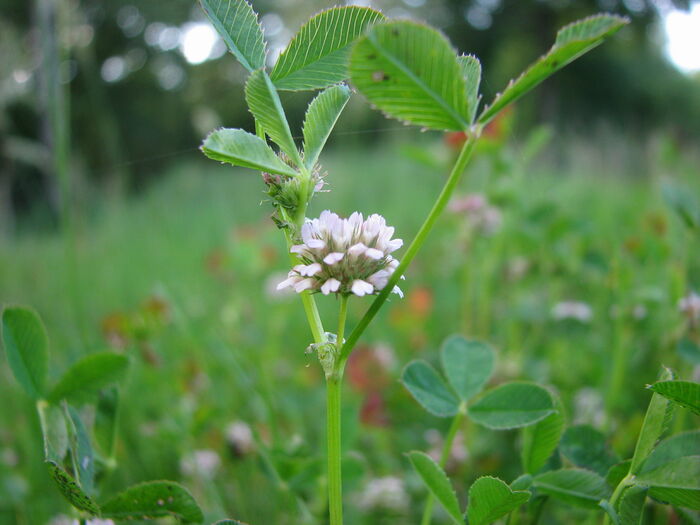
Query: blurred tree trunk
[54, 99]
[7, 214]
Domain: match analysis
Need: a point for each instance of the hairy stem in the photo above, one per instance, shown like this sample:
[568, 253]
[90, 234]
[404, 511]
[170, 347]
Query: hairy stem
[444, 456]
[334, 385]
[335, 487]
[626, 482]
[442, 200]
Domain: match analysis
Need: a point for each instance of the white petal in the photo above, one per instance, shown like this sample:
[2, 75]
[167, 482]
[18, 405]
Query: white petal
[397, 291]
[307, 230]
[304, 284]
[331, 285]
[373, 253]
[287, 283]
[360, 287]
[315, 243]
[357, 249]
[394, 245]
[333, 258]
[297, 248]
[379, 279]
[311, 269]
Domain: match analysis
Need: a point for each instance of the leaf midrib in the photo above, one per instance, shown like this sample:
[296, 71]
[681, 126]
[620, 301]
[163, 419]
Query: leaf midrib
[416, 80]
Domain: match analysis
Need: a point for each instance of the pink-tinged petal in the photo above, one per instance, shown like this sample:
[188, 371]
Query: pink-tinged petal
[310, 270]
[397, 291]
[373, 253]
[333, 258]
[288, 283]
[315, 244]
[331, 285]
[297, 248]
[379, 279]
[299, 268]
[304, 284]
[306, 231]
[357, 249]
[361, 288]
[394, 245]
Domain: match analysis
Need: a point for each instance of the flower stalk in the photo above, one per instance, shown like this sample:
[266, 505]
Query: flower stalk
[418, 241]
[444, 456]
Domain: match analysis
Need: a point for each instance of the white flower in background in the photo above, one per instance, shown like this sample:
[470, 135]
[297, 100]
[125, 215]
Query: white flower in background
[576, 310]
[240, 437]
[385, 356]
[344, 256]
[589, 407]
[690, 305]
[458, 450]
[386, 493]
[202, 463]
[482, 216]
[639, 312]
[62, 519]
[517, 268]
[9, 457]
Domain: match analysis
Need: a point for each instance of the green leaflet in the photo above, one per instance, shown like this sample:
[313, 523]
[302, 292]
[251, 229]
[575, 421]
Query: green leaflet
[244, 149]
[436, 480]
[572, 41]
[490, 499]
[655, 423]
[541, 439]
[321, 116]
[468, 365]
[54, 431]
[682, 393]
[264, 103]
[153, 499]
[82, 382]
[678, 446]
[676, 482]
[411, 72]
[27, 348]
[512, 405]
[587, 448]
[317, 56]
[471, 70]
[631, 505]
[238, 25]
[71, 490]
[574, 486]
[428, 388]
[81, 451]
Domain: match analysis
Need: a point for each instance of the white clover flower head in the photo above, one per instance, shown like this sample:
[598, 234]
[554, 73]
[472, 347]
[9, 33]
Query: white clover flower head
[62, 519]
[204, 463]
[588, 407]
[576, 310]
[345, 256]
[239, 436]
[387, 493]
[690, 305]
[482, 216]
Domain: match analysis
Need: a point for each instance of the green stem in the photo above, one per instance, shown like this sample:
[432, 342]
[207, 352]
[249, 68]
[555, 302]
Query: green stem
[335, 486]
[334, 385]
[626, 482]
[444, 456]
[442, 200]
